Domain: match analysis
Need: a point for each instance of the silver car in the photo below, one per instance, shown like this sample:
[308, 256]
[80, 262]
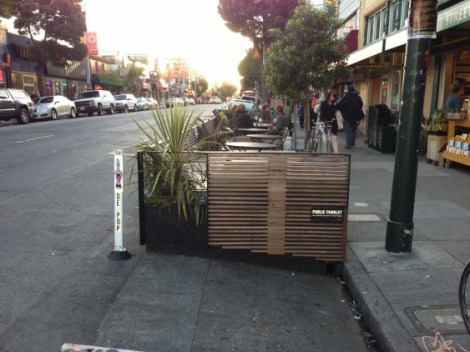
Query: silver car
[52, 107]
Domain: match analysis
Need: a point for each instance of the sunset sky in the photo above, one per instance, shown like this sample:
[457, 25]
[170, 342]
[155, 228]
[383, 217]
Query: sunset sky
[190, 29]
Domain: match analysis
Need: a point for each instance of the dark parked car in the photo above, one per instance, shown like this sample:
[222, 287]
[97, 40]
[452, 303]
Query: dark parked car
[15, 104]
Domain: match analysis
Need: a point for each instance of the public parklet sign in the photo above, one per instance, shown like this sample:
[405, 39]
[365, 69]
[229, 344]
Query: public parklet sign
[327, 215]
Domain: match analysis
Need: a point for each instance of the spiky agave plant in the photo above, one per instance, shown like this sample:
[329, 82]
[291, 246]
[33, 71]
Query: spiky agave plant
[174, 170]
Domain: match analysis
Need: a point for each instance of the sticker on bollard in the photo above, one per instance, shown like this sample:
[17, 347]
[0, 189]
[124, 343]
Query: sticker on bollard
[71, 347]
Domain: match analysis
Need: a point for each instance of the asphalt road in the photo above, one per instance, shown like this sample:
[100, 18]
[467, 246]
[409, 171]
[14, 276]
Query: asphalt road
[56, 204]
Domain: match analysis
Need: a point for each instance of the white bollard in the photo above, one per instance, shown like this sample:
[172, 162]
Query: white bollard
[119, 252]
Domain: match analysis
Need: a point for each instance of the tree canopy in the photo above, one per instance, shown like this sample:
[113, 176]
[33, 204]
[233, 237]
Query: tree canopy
[226, 90]
[308, 54]
[60, 24]
[201, 86]
[251, 70]
[254, 18]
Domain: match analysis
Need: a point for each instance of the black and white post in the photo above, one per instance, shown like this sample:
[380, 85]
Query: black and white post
[119, 252]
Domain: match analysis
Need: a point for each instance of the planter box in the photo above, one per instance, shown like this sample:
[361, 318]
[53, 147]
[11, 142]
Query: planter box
[164, 232]
[435, 143]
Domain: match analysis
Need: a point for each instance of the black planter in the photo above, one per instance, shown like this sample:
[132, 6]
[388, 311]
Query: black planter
[164, 232]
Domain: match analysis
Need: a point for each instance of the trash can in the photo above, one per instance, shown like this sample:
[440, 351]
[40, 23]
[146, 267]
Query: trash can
[381, 129]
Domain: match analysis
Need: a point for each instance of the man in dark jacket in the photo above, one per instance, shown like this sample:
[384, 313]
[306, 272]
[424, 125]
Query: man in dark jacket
[242, 119]
[351, 109]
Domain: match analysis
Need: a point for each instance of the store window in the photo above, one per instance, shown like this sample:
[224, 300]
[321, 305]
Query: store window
[29, 84]
[384, 90]
[395, 98]
[376, 25]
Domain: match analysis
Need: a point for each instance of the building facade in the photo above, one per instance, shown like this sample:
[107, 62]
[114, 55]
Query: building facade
[379, 60]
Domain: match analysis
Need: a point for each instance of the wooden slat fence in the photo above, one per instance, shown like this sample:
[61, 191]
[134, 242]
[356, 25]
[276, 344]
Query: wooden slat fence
[263, 202]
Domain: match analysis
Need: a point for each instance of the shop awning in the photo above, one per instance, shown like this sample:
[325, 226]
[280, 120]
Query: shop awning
[366, 52]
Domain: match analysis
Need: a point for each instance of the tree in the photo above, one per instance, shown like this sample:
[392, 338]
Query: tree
[226, 90]
[5, 9]
[251, 70]
[60, 24]
[132, 78]
[308, 54]
[201, 86]
[255, 19]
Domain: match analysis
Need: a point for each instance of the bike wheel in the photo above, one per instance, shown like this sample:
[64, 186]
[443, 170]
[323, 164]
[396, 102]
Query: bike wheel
[464, 296]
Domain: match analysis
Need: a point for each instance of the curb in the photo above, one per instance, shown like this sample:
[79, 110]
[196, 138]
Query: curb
[378, 315]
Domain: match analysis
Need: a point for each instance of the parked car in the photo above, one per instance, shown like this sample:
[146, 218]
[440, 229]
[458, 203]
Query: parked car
[15, 104]
[153, 104]
[142, 104]
[125, 102]
[215, 100]
[190, 101]
[95, 101]
[174, 101]
[250, 106]
[51, 107]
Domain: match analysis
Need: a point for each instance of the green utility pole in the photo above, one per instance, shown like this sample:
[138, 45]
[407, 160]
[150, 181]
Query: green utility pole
[422, 28]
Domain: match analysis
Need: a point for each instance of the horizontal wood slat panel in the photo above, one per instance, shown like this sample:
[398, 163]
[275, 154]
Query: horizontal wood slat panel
[263, 202]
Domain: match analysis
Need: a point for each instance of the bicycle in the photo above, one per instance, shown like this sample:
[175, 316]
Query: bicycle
[463, 296]
[319, 138]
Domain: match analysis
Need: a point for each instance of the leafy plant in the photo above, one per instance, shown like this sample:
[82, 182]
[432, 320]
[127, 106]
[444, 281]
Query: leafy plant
[437, 124]
[174, 169]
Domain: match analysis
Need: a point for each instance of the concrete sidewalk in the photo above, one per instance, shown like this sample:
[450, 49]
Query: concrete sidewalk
[409, 300]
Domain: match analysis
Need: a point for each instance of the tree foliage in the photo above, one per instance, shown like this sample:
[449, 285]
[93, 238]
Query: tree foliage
[254, 18]
[60, 24]
[5, 9]
[308, 54]
[251, 70]
[201, 86]
[133, 78]
[226, 90]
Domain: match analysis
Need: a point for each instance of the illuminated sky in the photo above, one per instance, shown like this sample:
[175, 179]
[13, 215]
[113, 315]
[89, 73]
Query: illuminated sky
[190, 29]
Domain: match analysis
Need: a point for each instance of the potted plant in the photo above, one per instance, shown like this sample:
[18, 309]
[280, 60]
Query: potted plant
[172, 180]
[436, 129]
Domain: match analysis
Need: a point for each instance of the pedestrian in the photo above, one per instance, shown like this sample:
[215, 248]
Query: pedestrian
[242, 118]
[231, 117]
[454, 101]
[266, 114]
[282, 120]
[351, 109]
[313, 108]
[328, 114]
[300, 114]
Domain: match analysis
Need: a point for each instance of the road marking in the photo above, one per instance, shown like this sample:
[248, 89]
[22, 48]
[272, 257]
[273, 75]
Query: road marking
[35, 139]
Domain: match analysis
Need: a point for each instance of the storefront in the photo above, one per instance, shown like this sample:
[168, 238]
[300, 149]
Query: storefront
[68, 81]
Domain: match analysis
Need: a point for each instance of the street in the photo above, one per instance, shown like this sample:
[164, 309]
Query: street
[58, 286]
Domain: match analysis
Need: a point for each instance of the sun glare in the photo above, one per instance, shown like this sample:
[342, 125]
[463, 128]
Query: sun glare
[166, 29]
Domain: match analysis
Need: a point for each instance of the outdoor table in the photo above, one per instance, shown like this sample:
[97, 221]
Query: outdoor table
[263, 125]
[253, 130]
[270, 138]
[250, 145]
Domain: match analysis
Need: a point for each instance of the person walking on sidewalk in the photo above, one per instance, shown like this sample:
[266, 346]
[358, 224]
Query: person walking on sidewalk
[351, 109]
